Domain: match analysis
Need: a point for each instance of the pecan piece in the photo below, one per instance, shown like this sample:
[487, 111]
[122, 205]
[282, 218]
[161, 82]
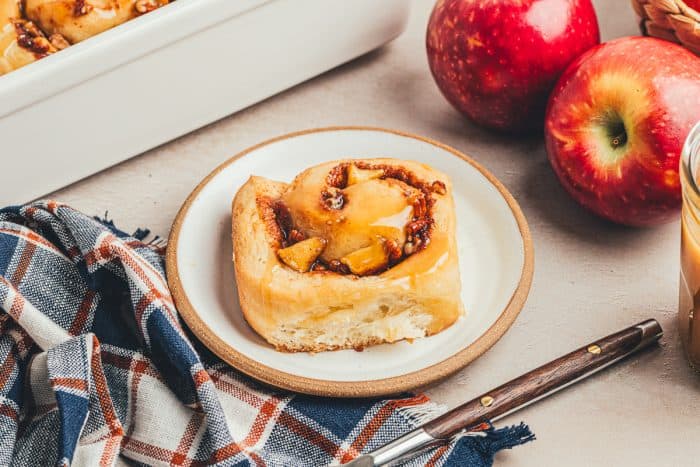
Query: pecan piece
[58, 41]
[332, 198]
[336, 266]
[80, 8]
[438, 187]
[393, 250]
[295, 236]
[416, 226]
[144, 6]
[30, 37]
[419, 203]
[411, 247]
[338, 176]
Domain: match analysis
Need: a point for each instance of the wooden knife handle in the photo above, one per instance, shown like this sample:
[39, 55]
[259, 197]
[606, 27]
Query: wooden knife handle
[544, 380]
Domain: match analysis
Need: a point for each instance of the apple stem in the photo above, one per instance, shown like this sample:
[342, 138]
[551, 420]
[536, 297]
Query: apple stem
[617, 133]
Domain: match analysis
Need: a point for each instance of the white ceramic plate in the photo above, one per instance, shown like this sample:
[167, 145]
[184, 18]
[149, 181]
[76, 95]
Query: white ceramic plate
[495, 255]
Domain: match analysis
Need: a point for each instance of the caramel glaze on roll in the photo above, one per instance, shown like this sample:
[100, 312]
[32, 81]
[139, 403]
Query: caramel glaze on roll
[352, 253]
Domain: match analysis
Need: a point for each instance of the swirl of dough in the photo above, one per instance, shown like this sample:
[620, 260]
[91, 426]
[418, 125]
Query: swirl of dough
[77, 20]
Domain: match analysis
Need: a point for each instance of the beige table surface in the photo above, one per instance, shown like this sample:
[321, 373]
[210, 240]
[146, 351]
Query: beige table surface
[591, 278]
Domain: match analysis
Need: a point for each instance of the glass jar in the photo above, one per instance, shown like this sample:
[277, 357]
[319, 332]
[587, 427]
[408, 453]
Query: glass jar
[689, 297]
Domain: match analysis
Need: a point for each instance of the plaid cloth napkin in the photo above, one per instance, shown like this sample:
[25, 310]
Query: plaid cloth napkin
[96, 368]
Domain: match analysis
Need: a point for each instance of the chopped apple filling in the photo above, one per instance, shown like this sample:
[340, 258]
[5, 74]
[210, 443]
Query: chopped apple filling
[367, 260]
[370, 217]
[357, 175]
[302, 255]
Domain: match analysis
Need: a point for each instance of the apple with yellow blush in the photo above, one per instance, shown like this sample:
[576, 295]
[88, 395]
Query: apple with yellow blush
[615, 125]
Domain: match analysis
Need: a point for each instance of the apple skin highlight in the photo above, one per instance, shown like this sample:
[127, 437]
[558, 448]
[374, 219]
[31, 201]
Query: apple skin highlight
[615, 125]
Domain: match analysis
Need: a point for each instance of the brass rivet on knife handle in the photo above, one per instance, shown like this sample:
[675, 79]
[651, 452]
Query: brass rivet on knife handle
[486, 401]
[545, 380]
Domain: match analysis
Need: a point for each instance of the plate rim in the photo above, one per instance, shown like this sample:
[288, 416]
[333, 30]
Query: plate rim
[365, 388]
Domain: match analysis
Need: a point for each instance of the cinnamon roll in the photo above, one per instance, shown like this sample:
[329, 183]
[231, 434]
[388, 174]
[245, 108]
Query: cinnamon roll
[39, 28]
[77, 20]
[352, 253]
[21, 42]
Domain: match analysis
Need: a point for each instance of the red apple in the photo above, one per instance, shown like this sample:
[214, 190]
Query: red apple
[615, 125]
[497, 60]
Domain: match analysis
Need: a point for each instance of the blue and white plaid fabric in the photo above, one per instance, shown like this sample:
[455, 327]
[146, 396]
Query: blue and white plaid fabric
[97, 369]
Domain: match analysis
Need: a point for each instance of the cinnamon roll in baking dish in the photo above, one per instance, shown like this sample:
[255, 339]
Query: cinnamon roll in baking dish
[33, 29]
[77, 20]
[352, 253]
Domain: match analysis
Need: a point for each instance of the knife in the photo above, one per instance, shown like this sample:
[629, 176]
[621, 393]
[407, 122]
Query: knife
[470, 418]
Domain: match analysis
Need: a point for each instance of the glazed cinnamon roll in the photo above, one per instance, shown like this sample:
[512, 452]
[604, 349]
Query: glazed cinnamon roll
[43, 27]
[77, 20]
[21, 42]
[352, 253]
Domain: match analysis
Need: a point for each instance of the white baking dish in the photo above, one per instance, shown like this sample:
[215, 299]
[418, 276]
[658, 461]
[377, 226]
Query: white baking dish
[166, 73]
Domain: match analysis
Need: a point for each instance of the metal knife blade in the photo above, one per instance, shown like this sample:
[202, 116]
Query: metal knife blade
[403, 447]
[362, 461]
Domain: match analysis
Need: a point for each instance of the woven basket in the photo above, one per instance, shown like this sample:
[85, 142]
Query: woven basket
[672, 20]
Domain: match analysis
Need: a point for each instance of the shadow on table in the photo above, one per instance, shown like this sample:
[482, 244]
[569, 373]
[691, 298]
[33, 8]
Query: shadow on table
[550, 203]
